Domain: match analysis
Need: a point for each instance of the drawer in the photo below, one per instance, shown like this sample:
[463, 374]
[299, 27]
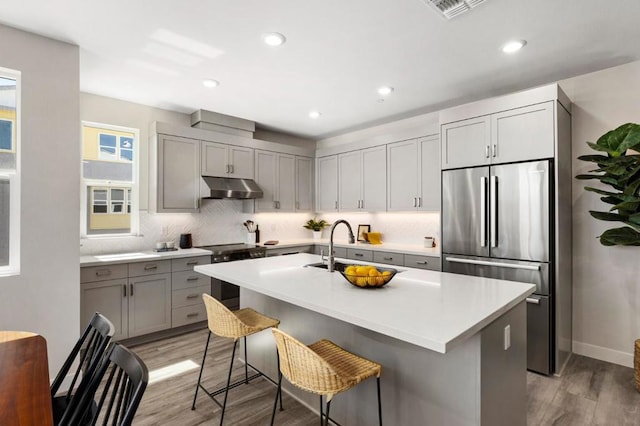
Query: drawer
[140, 269]
[102, 273]
[357, 254]
[189, 279]
[422, 262]
[339, 251]
[188, 315]
[389, 258]
[187, 263]
[189, 296]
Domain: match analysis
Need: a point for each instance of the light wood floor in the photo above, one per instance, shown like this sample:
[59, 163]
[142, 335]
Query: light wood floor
[590, 392]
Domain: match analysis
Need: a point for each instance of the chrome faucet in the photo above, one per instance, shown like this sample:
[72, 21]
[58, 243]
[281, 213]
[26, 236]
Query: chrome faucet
[332, 258]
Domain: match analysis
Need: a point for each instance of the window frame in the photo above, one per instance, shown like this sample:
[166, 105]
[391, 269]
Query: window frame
[109, 184]
[14, 178]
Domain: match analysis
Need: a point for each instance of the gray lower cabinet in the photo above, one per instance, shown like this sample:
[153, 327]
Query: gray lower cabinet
[422, 262]
[359, 254]
[339, 251]
[388, 258]
[144, 297]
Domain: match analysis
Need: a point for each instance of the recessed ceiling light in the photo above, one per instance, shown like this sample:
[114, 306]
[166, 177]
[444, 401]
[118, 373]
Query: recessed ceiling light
[385, 90]
[513, 46]
[314, 114]
[210, 83]
[274, 39]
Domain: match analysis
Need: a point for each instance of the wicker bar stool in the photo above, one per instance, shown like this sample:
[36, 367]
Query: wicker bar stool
[234, 325]
[323, 368]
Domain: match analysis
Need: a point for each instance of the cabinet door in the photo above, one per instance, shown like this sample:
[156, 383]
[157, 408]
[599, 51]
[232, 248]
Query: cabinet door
[215, 160]
[110, 299]
[402, 175]
[241, 161]
[149, 304]
[350, 181]
[286, 183]
[178, 174]
[265, 177]
[304, 184]
[466, 143]
[523, 134]
[327, 184]
[374, 179]
[429, 174]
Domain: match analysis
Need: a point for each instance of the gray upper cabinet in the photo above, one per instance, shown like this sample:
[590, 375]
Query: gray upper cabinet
[275, 173]
[178, 175]
[362, 180]
[413, 176]
[327, 184]
[222, 160]
[518, 134]
[466, 143]
[304, 184]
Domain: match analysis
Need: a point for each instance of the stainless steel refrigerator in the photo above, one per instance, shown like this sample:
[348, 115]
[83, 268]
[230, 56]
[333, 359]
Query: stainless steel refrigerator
[497, 222]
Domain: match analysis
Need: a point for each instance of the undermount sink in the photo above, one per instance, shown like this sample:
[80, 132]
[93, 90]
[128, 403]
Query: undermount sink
[339, 266]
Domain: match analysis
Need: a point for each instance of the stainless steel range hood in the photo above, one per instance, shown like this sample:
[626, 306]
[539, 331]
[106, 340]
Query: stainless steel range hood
[240, 189]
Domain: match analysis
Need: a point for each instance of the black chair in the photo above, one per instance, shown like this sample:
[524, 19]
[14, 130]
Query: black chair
[88, 353]
[123, 386]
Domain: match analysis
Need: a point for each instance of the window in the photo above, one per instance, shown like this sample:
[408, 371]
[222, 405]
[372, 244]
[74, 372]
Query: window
[109, 173]
[9, 172]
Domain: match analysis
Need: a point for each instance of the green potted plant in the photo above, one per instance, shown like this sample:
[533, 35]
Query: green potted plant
[316, 226]
[619, 169]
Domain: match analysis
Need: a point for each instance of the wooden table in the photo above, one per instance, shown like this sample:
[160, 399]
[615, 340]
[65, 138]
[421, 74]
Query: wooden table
[25, 396]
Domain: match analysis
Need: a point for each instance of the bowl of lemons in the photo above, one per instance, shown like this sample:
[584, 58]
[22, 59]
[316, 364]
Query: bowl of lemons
[368, 276]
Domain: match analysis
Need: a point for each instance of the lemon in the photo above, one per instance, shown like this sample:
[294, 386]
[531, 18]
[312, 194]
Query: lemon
[362, 271]
[374, 272]
[361, 281]
[380, 280]
[350, 270]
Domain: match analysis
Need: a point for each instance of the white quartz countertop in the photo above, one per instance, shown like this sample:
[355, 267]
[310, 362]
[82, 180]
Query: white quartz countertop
[390, 247]
[140, 256]
[434, 310]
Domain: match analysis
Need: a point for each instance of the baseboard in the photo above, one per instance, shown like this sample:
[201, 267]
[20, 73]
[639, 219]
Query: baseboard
[604, 354]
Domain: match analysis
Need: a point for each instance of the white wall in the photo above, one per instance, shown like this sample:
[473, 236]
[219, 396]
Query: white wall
[606, 286]
[45, 297]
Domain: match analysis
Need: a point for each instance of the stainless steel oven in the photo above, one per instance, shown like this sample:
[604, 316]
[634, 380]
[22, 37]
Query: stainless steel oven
[227, 293]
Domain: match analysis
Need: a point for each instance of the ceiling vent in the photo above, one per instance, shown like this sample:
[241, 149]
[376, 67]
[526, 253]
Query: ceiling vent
[452, 8]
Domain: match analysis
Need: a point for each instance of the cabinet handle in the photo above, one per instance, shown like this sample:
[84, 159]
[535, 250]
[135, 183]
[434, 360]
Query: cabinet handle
[192, 296]
[494, 149]
[150, 267]
[227, 169]
[124, 290]
[192, 315]
[231, 169]
[103, 272]
[421, 262]
[297, 205]
[358, 254]
[130, 289]
[414, 202]
[192, 263]
[419, 201]
[193, 278]
[336, 205]
[486, 151]
[388, 258]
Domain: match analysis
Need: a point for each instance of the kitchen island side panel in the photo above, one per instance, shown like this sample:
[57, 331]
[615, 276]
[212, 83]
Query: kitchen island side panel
[416, 383]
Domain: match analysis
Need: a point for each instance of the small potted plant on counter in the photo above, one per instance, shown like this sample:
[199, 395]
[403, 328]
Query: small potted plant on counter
[316, 226]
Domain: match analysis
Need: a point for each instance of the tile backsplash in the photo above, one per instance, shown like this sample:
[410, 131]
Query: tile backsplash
[220, 222]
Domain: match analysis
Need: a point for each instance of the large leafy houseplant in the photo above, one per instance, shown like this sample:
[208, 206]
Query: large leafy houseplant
[619, 169]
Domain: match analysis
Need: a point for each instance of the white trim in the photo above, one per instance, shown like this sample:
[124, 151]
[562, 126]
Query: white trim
[604, 354]
[14, 182]
[135, 190]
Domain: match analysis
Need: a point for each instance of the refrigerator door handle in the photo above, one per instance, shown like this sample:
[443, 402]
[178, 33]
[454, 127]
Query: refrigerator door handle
[494, 211]
[489, 263]
[483, 211]
[533, 300]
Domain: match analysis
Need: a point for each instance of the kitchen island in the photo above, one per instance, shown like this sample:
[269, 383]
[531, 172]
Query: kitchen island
[453, 347]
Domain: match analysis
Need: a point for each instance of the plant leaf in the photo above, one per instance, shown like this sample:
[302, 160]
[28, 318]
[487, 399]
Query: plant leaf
[603, 192]
[617, 141]
[624, 236]
[610, 217]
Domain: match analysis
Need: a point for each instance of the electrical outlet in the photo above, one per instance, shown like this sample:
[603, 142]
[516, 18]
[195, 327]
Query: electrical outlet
[507, 337]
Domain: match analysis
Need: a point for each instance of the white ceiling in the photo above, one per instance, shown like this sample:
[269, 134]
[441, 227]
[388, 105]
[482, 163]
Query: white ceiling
[338, 52]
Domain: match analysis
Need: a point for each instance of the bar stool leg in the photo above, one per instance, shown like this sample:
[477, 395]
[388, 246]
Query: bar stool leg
[279, 379]
[226, 393]
[278, 393]
[379, 403]
[246, 363]
[328, 408]
[206, 348]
